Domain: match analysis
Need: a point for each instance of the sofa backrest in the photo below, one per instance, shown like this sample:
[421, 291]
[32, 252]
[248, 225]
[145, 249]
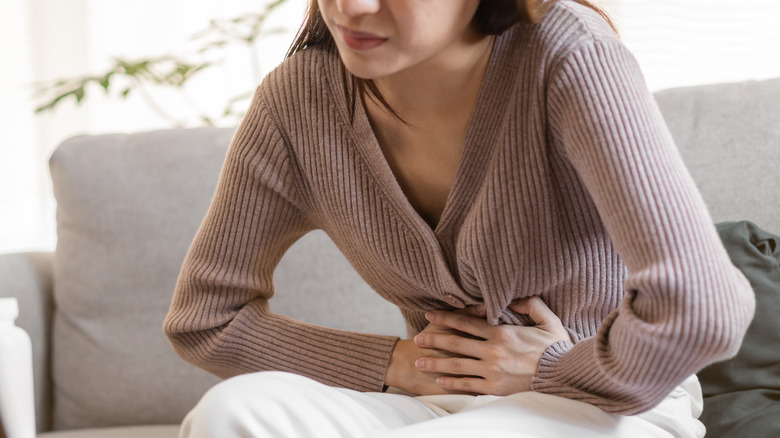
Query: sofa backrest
[729, 137]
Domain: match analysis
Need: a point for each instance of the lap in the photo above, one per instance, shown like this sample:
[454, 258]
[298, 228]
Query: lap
[286, 405]
[283, 405]
[528, 414]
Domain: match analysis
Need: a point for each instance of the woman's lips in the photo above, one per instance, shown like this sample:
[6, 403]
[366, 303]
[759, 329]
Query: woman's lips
[360, 40]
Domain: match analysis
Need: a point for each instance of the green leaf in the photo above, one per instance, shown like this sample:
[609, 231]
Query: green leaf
[166, 70]
[78, 93]
[50, 106]
[105, 81]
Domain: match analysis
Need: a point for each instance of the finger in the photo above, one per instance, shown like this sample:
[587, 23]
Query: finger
[476, 310]
[537, 310]
[455, 365]
[468, 324]
[473, 385]
[451, 343]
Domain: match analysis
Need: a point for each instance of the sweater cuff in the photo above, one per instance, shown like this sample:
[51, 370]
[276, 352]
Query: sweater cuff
[339, 358]
[548, 371]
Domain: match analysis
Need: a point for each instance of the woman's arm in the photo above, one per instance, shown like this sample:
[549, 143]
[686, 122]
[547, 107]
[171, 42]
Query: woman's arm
[686, 305]
[220, 318]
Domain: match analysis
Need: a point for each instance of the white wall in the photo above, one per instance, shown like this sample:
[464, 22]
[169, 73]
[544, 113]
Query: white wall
[44, 40]
[677, 42]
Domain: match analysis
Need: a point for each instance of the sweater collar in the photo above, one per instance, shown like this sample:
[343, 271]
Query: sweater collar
[478, 144]
[487, 121]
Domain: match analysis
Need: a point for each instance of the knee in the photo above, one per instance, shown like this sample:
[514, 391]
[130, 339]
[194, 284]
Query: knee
[226, 396]
[247, 403]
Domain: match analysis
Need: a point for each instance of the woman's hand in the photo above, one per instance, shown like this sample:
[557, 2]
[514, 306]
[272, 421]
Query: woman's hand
[503, 359]
[402, 372]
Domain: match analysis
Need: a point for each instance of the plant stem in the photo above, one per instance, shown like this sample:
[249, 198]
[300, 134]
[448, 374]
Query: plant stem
[155, 107]
[202, 114]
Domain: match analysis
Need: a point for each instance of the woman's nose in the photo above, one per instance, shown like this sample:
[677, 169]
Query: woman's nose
[352, 8]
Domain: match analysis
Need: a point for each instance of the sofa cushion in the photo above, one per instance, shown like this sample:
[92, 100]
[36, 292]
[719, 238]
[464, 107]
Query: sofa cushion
[127, 209]
[316, 284]
[742, 394]
[728, 137]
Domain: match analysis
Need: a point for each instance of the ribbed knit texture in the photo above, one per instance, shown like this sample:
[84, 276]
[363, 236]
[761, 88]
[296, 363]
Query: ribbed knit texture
[569, 188]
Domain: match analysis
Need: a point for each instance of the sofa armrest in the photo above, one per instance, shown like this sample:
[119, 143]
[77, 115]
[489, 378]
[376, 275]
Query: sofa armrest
[28, 277]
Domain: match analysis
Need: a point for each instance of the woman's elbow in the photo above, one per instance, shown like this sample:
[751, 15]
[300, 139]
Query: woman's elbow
[725, 320]
[190, 342]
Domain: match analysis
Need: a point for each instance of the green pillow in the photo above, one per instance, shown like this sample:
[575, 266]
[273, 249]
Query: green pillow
[742, 394]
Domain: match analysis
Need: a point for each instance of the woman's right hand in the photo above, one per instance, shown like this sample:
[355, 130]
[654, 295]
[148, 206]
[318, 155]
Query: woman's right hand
[402, 372]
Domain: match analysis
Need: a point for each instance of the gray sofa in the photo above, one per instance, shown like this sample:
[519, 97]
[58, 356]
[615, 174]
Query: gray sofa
[128, 206]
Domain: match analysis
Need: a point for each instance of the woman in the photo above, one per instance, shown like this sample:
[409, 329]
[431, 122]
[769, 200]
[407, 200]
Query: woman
[499, 171]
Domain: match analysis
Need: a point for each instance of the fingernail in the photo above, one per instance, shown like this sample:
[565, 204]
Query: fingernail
[429, 316]
[440, 380]
[419, 339]
[420, 363]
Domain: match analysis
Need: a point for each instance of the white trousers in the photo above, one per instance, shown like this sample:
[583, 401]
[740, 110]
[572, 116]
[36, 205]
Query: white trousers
[283, 405]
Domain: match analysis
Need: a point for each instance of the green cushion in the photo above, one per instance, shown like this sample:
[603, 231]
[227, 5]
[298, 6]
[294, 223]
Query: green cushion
[741, 395]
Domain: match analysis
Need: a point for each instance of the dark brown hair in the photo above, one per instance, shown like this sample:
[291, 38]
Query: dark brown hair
[492, 17]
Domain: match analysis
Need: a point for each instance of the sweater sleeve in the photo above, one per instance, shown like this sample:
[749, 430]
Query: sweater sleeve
[220, 318]
[685, 304]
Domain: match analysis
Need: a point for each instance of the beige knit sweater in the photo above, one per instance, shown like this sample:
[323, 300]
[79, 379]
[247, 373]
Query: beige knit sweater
[569, 188]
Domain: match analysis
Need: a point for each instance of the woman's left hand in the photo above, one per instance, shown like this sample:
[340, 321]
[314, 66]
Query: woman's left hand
[502, 360]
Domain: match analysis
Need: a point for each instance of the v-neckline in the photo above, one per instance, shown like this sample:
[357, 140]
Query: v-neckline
[477, 144]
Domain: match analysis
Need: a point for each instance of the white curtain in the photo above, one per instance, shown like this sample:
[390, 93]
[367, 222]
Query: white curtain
[24, 221]
[677, 42]
[691, 42]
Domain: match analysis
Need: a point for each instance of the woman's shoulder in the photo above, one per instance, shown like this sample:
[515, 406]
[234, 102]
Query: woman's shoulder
[568, 25]
[303, 69]
[300, 77]
[566, 28]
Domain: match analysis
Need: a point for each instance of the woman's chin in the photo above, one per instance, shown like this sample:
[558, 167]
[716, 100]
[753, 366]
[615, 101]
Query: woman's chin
[366, 69]
[363, 72]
